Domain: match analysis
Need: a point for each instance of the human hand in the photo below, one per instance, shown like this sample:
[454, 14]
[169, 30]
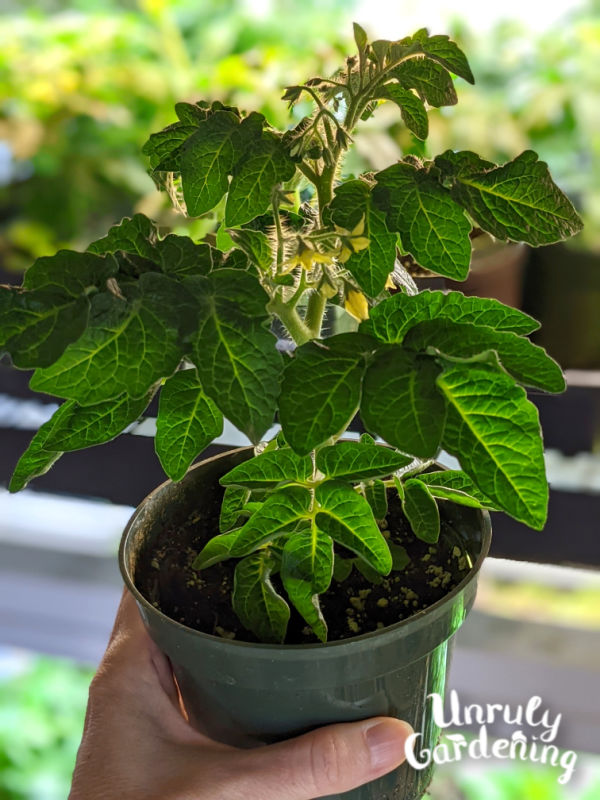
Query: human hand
[137, 744]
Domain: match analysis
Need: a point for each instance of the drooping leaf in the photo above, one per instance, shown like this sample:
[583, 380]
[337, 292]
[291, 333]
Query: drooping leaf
[431, 81]
[208, 157]
[320, 392]
[401, 402]
[356, 461]
[37, 326]
[255, 245]
[433, 228]
[128, 345]
[265, 165]
[187, 423]
[421, 511]
[445, 52]
[270, 468]
[37, 459]
[411, 107]
[234, 500]
[528, 363]
[180, 256]
[306, 571]
[256, 602]
[370, 266]
[137, 235]
[494, 431]
[346, 516]
[376, 497]
[85, 426]
[518, 201]
[235, 354]
[391, 319]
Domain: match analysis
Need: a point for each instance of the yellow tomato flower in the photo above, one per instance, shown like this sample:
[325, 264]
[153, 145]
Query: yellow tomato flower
[356, 305]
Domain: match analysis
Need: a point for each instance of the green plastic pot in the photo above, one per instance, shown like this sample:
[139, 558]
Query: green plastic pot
[247, 694]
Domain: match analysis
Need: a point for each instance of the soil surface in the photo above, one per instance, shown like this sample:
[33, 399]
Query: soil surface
[202, 600]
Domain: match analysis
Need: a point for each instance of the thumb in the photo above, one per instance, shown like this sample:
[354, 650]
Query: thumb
[326, 761]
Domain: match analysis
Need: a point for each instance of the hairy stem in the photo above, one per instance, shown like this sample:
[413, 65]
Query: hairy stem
[291, 320]
[314, 313]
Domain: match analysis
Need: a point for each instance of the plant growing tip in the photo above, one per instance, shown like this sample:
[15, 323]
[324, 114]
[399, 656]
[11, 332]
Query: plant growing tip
[138, 314]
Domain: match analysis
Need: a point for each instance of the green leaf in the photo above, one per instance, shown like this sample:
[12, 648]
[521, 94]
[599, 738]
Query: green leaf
[192, 113]
[281, 508]
[306, 571]
[400, 558]
[342, 567]
[255, 600]
[36, 460]
[355, 461]
[429, 79]
[376, 497]
[128, 345]
[391, 319]
[187, 423]
[180, 256]
[234, 500]
[432, 227]
[401, 402]
[346, 516]
[215, 550]
[518, 201]
[494, 431]
[320, 392]
[462, 162]
[235, 354]
[52, 309]
[85, 426]
[441, 484]
[132, 235]
[360, 37]
[255, 245]
[526, 362]
[446, 52]
[421, 511]
[69, 273]
[367, 571]
[270, 468]
[164, 147]
[265, 165]
[208, 157]
[37, 326]
[371, 266]
[411, 107]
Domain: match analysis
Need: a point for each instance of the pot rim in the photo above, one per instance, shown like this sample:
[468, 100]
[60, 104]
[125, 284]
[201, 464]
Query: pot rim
[386, 632]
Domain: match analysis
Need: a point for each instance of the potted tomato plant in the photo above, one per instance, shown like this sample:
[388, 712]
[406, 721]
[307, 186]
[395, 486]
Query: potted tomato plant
[310, 578]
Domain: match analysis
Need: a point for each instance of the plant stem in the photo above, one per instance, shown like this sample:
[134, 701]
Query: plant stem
[293, 323]
[315, 310]
[279, 236]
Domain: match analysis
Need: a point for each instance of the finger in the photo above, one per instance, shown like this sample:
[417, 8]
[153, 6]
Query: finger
[132, 656]
[329, 760]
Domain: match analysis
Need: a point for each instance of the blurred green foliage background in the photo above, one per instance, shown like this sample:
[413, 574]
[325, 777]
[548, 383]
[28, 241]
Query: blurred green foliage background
[83, 83]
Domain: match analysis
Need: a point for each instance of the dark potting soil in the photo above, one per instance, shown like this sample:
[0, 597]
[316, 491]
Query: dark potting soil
[202, 599]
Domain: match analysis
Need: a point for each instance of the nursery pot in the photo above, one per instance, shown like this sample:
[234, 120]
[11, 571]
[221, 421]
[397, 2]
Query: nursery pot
[247, 694]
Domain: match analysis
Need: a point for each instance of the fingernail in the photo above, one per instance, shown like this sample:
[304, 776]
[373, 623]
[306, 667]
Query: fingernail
[385, 741]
